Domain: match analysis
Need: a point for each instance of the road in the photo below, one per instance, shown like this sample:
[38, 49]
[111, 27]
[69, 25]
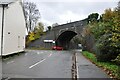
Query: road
[49, 64]
[39, 64]
[0, 68]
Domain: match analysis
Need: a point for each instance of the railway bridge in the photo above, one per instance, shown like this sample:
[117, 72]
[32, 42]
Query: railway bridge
[61, 35]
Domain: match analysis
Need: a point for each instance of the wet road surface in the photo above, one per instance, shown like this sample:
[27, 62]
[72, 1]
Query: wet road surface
[0, 68]
[39, 64]
[49, 64]
[88, 70]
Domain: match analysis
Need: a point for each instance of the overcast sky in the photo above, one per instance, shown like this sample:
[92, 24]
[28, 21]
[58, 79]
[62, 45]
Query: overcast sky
[63, 11]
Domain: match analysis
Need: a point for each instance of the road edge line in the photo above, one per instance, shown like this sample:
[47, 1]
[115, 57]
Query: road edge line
[77, 66]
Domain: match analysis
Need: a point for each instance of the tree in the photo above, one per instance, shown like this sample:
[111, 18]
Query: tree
[106, 31]
[31, 36]
[107, 35]
[93, 17]
[118, 7]
[100, 19]
[108, 15]
[39, 30]
[32, 15]
[49, 28]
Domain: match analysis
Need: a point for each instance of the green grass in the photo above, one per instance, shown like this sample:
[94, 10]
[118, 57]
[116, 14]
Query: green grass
[110, 67]
[90, 56]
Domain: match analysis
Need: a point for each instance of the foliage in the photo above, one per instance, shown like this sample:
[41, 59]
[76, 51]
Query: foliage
[107, 34]
[39, 30]
[107, 66]
[108, 15]
[108, 49]
[36, 34]
[49, 28]
[87, 39]
[32, 15]
[97, 29]
[93, 17]
[117, 60]
[90, 56]
[86, 31]
[106, 31]
[31, 36]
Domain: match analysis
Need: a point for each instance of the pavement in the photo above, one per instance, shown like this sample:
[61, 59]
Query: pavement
[49, 64]
[86, 69]
[0, 68]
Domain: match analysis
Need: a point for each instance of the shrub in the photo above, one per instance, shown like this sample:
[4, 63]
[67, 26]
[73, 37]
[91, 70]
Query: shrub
[117, 59]
[107, 49]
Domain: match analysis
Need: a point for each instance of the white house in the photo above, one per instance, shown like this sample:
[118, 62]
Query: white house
[12, 27]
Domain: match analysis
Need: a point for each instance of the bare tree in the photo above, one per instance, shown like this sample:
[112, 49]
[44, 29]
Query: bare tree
[32, 15]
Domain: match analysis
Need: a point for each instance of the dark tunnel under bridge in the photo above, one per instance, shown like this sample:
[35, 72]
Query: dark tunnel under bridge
[64, 38]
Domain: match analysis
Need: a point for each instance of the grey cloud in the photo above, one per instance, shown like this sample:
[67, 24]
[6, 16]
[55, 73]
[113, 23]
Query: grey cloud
[51, 10]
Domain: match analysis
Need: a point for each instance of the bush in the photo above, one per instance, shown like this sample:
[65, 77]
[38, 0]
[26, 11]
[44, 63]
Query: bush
[107, 35]
[106, 48]
[117, 59]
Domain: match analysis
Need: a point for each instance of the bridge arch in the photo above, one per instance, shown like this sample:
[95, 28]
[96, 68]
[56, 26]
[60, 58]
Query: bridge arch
[64, 38]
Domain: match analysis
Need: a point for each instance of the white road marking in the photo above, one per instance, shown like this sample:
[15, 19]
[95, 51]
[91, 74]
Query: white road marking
[77, 66]
[50, 55]
[7, 78]
[40, 52]
[10, 62]
[26, 54]
[37, 63]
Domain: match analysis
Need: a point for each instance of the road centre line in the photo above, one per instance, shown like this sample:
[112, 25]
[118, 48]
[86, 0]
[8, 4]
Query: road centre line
[50, 55]
[40, 52]
[37, 63]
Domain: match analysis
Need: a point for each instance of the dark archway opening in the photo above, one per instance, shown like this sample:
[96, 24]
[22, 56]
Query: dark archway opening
[64, 39]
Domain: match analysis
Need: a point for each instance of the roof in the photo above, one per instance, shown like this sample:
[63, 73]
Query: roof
[7, 1]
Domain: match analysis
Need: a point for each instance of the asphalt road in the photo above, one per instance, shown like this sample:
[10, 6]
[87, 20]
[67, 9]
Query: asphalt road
[39, 64]
[0, 68]
[49, 64]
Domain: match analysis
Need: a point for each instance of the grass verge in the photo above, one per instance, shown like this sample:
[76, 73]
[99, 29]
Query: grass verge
[110, 68]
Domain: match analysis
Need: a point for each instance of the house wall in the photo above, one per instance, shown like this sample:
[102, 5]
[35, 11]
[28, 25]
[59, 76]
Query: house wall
[14, 29]
[0, 27]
